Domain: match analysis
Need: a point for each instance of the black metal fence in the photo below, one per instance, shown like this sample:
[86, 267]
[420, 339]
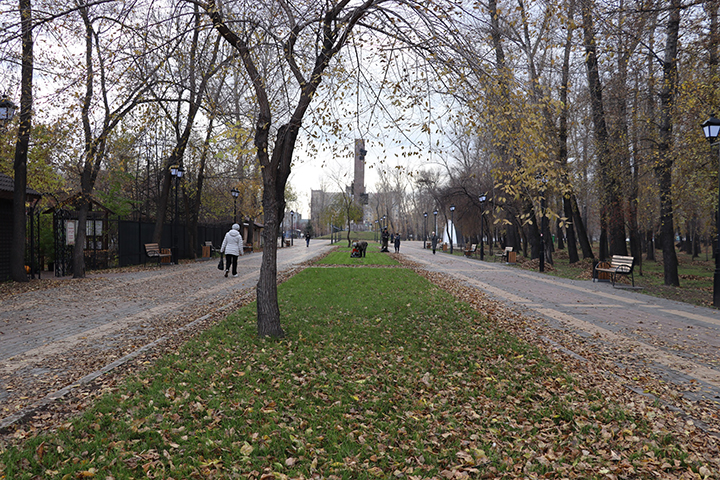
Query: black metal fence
[133, 235]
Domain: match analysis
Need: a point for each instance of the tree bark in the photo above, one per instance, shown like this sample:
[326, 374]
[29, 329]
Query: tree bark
[664, 162]
[583, 238]
[192, 208]
[17, 247]
[196, 99]
[276, 168]
[650, 239]
[570, 231]
[531, 229]
[612, 217]
[563, 139]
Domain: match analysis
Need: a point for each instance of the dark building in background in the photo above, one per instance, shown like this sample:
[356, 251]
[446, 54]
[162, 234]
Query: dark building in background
[6, 221]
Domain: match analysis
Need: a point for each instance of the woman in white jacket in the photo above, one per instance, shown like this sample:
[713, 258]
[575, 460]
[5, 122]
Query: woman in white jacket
[232, 247]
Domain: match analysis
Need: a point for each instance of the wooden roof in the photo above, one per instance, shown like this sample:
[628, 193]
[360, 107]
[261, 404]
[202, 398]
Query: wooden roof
[7, 186]
[71, 203]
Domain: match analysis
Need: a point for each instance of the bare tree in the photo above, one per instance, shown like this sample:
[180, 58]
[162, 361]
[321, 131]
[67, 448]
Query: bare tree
[17, 249]
[114, 109]
[664, 162]
[195, 73]
[328, 25]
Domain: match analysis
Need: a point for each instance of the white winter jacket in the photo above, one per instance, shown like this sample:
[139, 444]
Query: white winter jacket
[233, 242]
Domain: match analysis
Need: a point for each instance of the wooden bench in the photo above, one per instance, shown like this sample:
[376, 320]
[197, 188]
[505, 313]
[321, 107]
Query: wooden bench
[152, 250]
[470, 250]
[619, 265]
[504, 254]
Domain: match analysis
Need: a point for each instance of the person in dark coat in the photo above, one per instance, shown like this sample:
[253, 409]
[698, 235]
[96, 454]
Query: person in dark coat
[385, 240]
[397, 243]
[434, 240]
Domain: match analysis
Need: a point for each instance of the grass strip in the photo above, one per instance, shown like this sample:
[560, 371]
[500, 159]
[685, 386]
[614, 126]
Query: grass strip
[373, 256]
[381, 375]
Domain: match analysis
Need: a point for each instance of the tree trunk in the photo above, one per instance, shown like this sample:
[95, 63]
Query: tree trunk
[650, 255]
[162, 202]
[664, 163]
[17, 247]
[570, 231]
[612, 218]
[531, 230]
[196, 98]
[193, 208]
[633, 228]
[560, 235]
[575, 222]
[603, 243]
[268, 309]
[583, 238]
[274, 181]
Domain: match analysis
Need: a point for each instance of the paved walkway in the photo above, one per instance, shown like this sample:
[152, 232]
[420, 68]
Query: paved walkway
[679, 342]
[54, 337]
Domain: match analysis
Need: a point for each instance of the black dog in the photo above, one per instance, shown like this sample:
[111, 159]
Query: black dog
[362, 246]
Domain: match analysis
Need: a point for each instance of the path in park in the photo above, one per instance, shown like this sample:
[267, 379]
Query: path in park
[678, 342]
[53, 338]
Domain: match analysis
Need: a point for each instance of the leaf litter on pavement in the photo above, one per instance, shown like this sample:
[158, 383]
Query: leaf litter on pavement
[381, 375]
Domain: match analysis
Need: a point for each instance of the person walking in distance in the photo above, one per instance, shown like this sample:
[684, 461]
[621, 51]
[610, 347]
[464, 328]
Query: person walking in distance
[385, 240]
[434, 242]
[232, 247]
[397, 243]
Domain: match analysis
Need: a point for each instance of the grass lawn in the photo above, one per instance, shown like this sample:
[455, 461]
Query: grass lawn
[381, 375]
[341, 256]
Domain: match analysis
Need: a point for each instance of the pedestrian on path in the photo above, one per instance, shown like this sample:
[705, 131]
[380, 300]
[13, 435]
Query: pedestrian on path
[232, 247]
[385, 240]
[434, 242]
[397, 243]
[307, 240]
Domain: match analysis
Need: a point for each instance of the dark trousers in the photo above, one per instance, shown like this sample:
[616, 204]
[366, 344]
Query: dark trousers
[228, 259]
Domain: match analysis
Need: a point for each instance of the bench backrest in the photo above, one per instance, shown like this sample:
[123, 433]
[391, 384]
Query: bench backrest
[508, 249]
[152, 248]
[622, 261]
[208, 243]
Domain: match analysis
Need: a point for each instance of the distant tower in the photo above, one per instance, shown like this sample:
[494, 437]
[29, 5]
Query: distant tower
[359, 182]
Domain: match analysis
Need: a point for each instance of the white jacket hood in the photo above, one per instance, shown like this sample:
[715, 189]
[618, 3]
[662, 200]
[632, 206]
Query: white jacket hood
[233, 243]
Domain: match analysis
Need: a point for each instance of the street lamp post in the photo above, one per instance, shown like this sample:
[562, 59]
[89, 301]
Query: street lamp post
[376, 230]
[292, 226]
[177, 172]
[425, 230]
[711, 129]
[7, 110]
[452, 223]
[235, 193]
[435, 212]
[482, 199]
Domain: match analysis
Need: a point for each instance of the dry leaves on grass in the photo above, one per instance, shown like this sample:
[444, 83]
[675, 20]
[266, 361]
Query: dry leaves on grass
[595, 366]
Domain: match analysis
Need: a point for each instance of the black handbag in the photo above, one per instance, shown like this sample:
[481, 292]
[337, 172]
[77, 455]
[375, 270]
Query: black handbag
[221, 266]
